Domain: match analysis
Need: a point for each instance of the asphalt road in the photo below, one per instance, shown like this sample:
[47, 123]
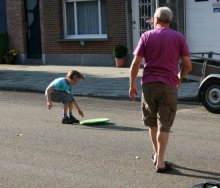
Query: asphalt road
[38, 151]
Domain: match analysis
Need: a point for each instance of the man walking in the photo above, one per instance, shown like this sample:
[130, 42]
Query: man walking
[161, 49]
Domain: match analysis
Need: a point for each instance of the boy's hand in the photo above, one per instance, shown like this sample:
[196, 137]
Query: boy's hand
[80, 113]
[49, 105]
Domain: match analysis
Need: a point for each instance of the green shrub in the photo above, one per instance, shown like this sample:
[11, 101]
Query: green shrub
[120, 51]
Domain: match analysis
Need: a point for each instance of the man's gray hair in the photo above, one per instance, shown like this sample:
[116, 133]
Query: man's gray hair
[164, 14]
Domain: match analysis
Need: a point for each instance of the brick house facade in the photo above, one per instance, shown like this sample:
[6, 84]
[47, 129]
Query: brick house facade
[123, 18]
[55, 48]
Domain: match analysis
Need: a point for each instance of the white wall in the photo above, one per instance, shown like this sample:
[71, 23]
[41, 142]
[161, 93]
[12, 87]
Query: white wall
[202, 26]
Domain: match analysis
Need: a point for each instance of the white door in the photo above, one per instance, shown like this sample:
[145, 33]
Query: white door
[142, 10]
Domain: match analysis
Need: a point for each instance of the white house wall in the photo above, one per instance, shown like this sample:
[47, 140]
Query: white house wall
[202, 26]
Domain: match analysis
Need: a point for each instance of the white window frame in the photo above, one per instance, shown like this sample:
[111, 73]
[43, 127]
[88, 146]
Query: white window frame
[77, 36]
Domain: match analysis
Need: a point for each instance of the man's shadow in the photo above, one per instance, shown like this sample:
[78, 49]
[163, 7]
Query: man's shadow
[205, 175]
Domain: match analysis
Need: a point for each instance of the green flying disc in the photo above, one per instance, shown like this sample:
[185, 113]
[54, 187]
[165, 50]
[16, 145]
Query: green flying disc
[94, 121]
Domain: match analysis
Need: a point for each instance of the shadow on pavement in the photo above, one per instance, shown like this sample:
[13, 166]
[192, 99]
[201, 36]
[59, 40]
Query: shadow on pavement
[205, 175]
[112, 126]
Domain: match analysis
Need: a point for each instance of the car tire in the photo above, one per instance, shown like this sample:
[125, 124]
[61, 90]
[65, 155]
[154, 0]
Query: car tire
[210, 96]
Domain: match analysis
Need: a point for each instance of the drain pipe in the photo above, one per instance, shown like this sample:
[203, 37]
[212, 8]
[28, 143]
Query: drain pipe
[152, 8]
[157, 4]
[184, 24]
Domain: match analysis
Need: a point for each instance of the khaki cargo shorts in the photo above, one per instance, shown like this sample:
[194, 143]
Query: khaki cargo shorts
[159, 104]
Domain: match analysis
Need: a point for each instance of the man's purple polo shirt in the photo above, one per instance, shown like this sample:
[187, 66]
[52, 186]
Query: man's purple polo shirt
[161, 49]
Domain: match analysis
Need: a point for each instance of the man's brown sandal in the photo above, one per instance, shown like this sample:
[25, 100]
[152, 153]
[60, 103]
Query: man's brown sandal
[165, 169]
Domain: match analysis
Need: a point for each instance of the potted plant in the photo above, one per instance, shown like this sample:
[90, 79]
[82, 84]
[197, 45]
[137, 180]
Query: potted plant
[10, 56]
[120, 51]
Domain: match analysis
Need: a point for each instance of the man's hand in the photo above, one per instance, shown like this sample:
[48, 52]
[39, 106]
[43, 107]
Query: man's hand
[135, 66]
[49, 105]
[133, 91]
[179, 82]
[187, 66]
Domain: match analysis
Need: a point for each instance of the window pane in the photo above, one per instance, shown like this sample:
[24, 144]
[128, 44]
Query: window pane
[87, 14]
[30, 18]
[144, 14]
[70, 18]
[103, 12]
[31, 4]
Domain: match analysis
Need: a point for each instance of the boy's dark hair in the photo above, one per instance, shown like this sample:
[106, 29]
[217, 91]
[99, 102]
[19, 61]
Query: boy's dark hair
[75, 74]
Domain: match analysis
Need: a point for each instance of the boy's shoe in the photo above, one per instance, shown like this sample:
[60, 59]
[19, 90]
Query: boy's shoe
[74, 120]
[66, 120]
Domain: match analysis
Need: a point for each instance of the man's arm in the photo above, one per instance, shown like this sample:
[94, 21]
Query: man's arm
[185, 68]
[135, 66]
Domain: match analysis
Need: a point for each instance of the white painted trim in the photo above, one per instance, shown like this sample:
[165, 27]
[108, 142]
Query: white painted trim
[64, 19]
[76, 36]
[100, 14]
[78, 0]
[43, 59]
[157, 4]
[135, 23]
[102, 36]
[75, 16]
[135, 18]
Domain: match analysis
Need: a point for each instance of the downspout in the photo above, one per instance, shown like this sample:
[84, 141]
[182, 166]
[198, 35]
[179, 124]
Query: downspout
[129, 32]
[184, 24]
[157, 4]
[152, 8]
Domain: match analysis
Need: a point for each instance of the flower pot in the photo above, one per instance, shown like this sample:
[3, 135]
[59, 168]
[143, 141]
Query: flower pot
[10, 59]
[120, 62]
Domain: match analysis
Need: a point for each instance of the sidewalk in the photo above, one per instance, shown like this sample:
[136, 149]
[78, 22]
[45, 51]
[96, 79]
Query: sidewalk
[100, 81]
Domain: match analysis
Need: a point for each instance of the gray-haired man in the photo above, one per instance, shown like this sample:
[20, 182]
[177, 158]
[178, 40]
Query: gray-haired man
[161, 49]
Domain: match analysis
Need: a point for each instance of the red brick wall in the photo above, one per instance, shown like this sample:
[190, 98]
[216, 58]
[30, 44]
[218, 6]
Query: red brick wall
[15, 25]
[42, 26]
[53, 28]
[116, 21]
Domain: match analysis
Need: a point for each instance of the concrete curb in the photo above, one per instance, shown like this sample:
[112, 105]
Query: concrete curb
[190, 99]
[103, 82]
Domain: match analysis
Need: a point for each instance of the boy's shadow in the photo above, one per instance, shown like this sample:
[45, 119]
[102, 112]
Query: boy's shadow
[112, 126]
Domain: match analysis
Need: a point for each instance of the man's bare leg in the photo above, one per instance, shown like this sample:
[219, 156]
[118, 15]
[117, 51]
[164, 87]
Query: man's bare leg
[162, 139]
[153, 136]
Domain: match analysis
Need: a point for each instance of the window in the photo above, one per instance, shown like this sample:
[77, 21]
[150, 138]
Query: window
[85, 19]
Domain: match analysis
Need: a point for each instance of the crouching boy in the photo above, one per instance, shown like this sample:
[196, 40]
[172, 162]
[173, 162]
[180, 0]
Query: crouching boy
[61, 90]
